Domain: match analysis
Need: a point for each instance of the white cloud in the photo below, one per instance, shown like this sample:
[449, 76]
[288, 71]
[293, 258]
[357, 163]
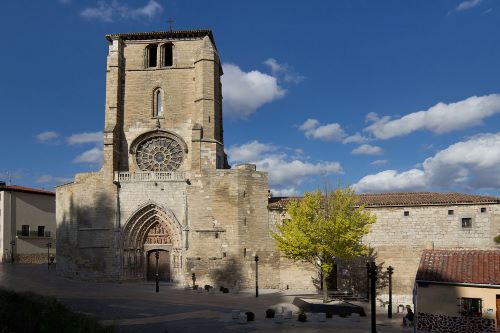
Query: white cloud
[47, 136]
[466, 5]
[466, 165]
[86, 137]
[108, 11]
[245, 92]
[356, 138]
[52, 179]
[379, 162]
[328, 132]
[367, 150]
[286, 172]
[92, 156]
[283, 71]
[440, 118]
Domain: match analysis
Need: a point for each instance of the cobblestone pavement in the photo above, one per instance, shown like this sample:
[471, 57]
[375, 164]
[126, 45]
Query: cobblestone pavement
[136, 307]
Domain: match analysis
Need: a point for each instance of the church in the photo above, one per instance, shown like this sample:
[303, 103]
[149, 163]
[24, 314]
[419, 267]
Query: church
[165, 187]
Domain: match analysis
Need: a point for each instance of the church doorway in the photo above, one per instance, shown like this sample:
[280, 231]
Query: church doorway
[163, 265]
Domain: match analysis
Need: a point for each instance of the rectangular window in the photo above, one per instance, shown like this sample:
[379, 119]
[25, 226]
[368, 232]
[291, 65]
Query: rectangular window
[483, 209]
[25, 230]
[450, 212]
[245, 252]
[406, 213]
[41, 231]
[152, 49]
[168, 58]
[216, 235]
[466, 222]
[470, 307]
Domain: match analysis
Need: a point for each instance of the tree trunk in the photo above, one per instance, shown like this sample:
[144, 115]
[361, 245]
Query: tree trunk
[325, 287]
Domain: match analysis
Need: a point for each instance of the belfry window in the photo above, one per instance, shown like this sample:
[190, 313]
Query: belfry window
[157, 103]
[167, 55]
[151, 55]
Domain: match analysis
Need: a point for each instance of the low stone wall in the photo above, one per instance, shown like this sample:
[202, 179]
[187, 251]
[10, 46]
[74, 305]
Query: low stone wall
[445, 324]
[33, 258]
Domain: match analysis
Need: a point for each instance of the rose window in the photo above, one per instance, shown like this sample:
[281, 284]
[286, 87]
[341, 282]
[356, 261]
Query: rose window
[159, 154]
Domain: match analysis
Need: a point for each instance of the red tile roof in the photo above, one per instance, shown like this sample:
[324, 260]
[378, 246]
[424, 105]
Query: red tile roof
[404, 199]
[460, 266]
[17, 188]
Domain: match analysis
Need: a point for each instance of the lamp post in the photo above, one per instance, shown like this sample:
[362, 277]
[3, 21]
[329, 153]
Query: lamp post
[256, 276]
[390, 270]
[49, 244]
[373, 281]
[368, 281]
[12, 244]
[157, 256]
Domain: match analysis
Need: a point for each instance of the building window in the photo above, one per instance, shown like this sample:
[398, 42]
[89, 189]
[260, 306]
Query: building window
[466, 222]
[245, 252]
[450, 212]
[406, 213]
[41, 231]
[224, 254]
[245, 220]
[483, 209]
[151, 55]
[157, 103]
[216, 235]
[25, 230]
[470, 307]
[167, 55]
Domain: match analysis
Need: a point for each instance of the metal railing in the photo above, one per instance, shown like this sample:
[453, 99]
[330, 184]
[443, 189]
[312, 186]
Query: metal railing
[33, 234]
[150, 176]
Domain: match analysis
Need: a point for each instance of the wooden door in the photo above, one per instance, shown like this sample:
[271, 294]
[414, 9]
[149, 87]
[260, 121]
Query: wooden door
[163, 265]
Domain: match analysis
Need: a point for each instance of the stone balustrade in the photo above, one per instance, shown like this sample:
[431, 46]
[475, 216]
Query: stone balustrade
[150, 176]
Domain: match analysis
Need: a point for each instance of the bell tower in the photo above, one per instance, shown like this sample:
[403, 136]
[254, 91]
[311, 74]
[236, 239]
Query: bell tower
[163, 103]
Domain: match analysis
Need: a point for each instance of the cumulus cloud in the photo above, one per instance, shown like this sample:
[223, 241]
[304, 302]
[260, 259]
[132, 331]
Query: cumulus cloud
[52, 179]
[367, 150]
[440, 118]
[466, 5]
[92, 156]
[108, 11]
[379, 162]
[283, 71]
[245, 92]
[86, 137]
[328, 132]
[286, 172]
[356, 138]
[466, 166]
[47, 136]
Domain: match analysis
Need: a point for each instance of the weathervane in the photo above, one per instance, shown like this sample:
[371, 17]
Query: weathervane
[170, 21]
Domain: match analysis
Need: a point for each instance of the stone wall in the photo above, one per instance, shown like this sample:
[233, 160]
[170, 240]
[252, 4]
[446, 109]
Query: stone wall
[428, 322]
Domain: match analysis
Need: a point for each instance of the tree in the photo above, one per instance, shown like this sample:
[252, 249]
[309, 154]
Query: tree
[322, 229]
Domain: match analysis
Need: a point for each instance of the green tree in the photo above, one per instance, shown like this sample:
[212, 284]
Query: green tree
[323, 228]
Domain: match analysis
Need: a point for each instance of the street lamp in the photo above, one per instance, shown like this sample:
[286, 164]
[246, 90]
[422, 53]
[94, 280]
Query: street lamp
[373, 284]
[12, 244]
[390, 271]
[256, 276]
[49, 244]
[157, 256]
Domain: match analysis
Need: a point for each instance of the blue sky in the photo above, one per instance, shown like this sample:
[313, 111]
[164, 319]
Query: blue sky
[381, 95]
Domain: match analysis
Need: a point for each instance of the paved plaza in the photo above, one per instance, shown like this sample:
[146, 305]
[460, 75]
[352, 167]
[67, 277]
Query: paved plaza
[136, 307]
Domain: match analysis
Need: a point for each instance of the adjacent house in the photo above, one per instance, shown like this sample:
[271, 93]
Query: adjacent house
[27, 224]
[458, 291]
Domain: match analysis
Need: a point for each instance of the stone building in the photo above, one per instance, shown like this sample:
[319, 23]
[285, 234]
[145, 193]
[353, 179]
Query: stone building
[27, 224]
[165, 187]
[407, 224]
[165, 184]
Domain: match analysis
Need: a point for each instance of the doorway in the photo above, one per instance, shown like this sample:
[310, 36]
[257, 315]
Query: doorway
[498, 310]
[163, 265]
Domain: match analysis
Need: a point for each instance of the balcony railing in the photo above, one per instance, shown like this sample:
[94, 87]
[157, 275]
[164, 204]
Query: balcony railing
[150, 176]
[33, 234]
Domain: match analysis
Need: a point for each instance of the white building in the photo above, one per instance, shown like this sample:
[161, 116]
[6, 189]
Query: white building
[27, 224]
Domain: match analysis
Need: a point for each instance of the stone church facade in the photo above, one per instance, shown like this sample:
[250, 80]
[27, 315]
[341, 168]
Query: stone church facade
[165, 186]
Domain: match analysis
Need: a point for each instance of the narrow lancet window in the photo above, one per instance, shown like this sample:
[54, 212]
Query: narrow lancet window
[158, 105]
[151, 55]
[168, 59]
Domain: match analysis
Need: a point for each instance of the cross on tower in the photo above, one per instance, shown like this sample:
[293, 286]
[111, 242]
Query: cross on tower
[170, 21]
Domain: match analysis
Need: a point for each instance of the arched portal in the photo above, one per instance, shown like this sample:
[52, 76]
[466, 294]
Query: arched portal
[150, 229]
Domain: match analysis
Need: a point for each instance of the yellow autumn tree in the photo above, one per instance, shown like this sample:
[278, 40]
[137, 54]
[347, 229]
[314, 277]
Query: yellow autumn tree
[323, 228]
